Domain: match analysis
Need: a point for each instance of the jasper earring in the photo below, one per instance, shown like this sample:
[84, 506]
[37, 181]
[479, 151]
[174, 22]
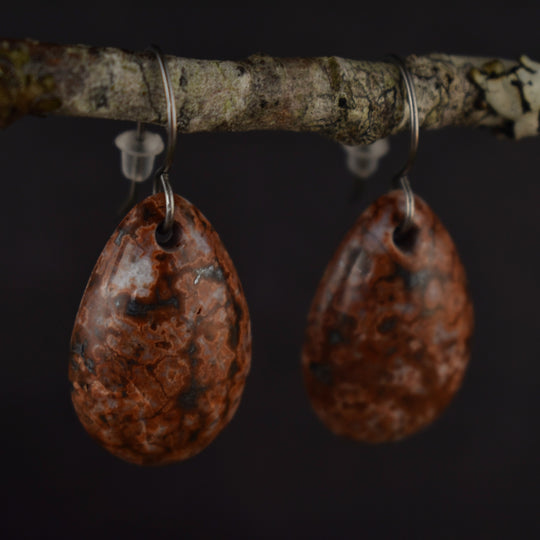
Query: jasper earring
[387, 339]
[161, 346]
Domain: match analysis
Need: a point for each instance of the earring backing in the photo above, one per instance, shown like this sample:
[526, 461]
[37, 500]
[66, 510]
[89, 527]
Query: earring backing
[363, 159]
[403, 176]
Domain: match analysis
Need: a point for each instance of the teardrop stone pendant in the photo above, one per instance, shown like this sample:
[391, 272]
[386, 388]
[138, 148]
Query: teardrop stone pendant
[387, 340]
[161, 346]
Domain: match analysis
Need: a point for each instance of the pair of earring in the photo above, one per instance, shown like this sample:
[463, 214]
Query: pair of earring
[161, 346]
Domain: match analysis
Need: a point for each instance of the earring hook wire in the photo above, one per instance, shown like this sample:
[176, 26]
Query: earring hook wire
[402, 176]
[163, 172]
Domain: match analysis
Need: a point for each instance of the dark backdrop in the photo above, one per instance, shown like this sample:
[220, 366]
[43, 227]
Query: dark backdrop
[281, 203]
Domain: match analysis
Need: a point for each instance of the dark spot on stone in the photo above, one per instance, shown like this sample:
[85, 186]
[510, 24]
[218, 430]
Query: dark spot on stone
[241, 70]
[135, 308]
[345, 324]
[238, 311]
[80, 349]
[191, 352]
[233, 335]
[387, 325]
[342, 102]
[234, 368]
[188, 399]
[89, 363]
[321, 372]
[194, 435]
[163, 345]
[103, 418]
[147, 213]
[335, 337]
[188, 214]
[405, 276]
[139, 349]
[263, 103]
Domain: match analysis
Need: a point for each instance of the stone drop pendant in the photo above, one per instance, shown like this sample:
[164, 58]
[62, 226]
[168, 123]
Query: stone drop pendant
[387, 340]
[161, 346]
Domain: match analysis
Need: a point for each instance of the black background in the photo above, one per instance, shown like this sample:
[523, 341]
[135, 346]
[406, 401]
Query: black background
[281, 203]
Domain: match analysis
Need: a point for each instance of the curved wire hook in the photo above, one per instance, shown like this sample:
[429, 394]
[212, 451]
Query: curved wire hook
[163, 171]
[413, 149]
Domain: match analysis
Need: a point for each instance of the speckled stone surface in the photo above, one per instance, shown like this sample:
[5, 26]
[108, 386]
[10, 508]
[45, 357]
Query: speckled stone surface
[387, 340]
[161, 346]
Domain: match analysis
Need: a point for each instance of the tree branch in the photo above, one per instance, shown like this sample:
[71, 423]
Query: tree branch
[351, 101]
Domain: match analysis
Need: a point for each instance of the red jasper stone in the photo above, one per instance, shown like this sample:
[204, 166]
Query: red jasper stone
[387, 341]
[161, 346]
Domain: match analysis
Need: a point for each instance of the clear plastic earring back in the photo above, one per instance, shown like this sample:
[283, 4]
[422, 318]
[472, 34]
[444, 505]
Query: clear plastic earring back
[139, 149]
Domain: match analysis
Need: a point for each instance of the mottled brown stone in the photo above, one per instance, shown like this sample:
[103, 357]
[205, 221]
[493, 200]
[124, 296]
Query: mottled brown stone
[161, 346]
[387, 341]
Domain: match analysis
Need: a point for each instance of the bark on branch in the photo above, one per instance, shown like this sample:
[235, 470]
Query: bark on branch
[352, 101]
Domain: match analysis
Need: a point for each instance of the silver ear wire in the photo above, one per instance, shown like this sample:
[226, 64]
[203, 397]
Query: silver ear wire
[163, 172]
[402, 176]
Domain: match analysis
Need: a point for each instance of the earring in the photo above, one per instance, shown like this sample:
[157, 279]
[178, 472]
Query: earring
[161, 346]
[387, 339]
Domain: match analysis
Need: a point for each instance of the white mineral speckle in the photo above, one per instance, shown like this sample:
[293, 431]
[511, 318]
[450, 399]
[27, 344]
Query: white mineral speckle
[138, 278]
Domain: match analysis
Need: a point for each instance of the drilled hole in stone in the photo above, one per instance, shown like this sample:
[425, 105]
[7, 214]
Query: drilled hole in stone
[405, 240]
[168, 239]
